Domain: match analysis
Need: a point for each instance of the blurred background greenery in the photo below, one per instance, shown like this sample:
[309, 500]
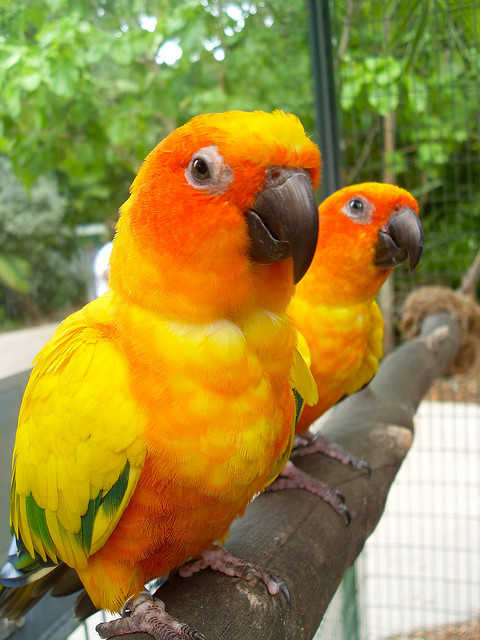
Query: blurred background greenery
[88, 87]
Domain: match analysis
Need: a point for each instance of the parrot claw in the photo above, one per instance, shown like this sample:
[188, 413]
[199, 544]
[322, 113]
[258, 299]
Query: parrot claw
[309, 443]
[285, 591]
[363, 465]
[219, 559]
[346, 514]
[294, 478]
[148, 615]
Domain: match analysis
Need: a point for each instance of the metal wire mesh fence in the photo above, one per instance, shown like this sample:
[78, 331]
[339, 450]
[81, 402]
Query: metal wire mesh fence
[407, 88]
[406, 80]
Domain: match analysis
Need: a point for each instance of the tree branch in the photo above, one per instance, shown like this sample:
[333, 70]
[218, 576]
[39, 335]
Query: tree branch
[470, 278]
[296, 534]
[351, 176]
[347, 25]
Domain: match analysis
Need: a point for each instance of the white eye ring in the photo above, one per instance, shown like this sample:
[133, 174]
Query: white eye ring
[207, 171]
[359, 209]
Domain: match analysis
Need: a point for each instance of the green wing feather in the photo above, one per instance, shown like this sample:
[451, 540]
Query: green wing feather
[304, 389]
[303, 383]
[79, 450]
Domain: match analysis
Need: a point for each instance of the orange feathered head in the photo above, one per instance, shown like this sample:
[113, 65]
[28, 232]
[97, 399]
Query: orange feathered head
[365, 230]
[220, 213]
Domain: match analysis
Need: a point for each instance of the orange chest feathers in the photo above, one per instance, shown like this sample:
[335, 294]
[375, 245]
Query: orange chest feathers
[219, 410]
[345, 345]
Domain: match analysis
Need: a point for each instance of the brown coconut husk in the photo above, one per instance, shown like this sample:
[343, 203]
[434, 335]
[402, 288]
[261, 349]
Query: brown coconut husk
[428, 300]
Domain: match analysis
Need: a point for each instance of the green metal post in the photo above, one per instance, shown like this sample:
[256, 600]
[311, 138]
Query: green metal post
[324, 86]
[350, 608]
[328, 139]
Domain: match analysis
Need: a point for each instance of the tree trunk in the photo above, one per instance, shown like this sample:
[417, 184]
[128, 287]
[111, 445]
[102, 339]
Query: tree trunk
[297, 535]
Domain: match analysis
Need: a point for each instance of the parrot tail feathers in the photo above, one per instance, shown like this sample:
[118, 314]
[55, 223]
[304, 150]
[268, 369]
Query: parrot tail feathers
[84, 607]
[21, 568]
[24, 580]
[15, 602]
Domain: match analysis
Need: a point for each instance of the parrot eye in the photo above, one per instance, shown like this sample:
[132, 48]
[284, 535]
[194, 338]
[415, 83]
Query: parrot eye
[200, 170]
[207, 171]
[359, 209]
[356, 205]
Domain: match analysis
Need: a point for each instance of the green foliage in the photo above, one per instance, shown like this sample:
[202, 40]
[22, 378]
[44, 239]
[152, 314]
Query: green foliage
[85, 93]
[414, 67]
[417, 65]
[14, 272]
[88, 89]
[452, 242]
[36, 273]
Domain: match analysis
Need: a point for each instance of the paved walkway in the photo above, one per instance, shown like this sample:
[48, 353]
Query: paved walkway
[18, 348]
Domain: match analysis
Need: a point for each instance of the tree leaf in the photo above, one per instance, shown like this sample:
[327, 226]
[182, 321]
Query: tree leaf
[63, 78]
[14, 272]
[11, 99]
[384, 99]
[12, 60]
[30, 82]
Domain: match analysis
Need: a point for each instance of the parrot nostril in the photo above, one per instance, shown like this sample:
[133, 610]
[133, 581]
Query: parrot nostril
[278, 175]
[274, 175]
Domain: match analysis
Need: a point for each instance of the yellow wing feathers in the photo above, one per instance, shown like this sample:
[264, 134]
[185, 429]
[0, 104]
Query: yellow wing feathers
[301, 377]
[304, 389]
[373, 351]
[79, 452]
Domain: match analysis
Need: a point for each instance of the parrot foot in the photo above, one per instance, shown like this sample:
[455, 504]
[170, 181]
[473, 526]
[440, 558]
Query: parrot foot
[308, 443]
[147, 615]
[294, 478]
[219, 559]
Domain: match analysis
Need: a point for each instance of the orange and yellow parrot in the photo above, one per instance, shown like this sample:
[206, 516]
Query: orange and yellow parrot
[365, 230]
[156, 412]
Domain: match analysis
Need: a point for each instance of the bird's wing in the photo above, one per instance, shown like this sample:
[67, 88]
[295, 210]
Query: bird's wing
[301, 377]
[304, 389]
[79, 450]
[373, 352]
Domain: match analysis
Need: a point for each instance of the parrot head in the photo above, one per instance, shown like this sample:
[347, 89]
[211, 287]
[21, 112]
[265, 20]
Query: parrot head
[222, 215]
[365, 230]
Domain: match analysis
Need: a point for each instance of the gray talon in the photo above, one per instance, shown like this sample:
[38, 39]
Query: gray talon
[364, 465]
[219, 559]
[347, 516]
[191, 634]
[286, 593]
[310, 443]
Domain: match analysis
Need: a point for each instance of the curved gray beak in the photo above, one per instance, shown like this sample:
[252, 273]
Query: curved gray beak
[399, 239]
[283, 222]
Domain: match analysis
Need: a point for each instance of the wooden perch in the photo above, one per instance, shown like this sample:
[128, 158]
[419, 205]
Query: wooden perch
[298, 536]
